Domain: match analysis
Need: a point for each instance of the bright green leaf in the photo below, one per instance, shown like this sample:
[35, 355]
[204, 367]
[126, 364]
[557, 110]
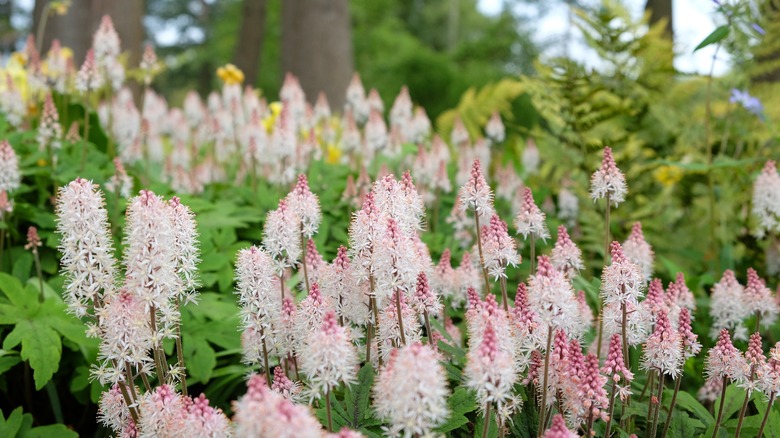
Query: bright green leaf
[41, 346]
[10, 426]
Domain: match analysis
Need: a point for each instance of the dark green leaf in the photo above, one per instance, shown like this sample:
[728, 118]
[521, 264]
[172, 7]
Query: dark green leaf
[717, 35]
[51, 431]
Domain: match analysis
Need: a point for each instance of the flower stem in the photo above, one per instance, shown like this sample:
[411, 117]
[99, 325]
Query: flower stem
[39, 272]
[156, 347]
[624, 328]
[504, 296]
[428, 327]
[543, 406]
[533, 254]
[671, 406]
[180, 353]
[327, 409]
[486, 428]
[481, 257]
[281, 288]
[748, 393]
[606, 260]
[611, 408]
[400, 317]
[720, 409]
[658, 406]
[766, 415]
[304, 245]
[265, 358]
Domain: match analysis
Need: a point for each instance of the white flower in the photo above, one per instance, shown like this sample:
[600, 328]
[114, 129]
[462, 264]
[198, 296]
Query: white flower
[639, 251]
[411, 391]
[10, 179]
[766, 200]
[329, 357]
[608, 181]
[530, 220]
[86, 246]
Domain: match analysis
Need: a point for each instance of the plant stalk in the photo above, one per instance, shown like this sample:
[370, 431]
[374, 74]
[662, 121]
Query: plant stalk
[180, 353]
[400, 317]
[744, 405]
[658, 407]
[486, 428]
[327, 409]
[671, 406]
[611, 411]
[720, 409]
[481, 257]
[543, 406]
[304, 246]
[766, 415]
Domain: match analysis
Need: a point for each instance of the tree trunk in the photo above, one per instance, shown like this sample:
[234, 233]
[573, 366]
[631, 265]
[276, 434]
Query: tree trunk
[317, 46]
[250, 39]
[75, 29]
[659, 10]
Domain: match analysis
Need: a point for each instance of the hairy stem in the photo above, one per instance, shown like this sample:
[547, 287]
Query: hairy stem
[180, 353]
[671, 406]
[543, 406]
[400, 317]
[606, 260]
[486, 428]
[766, 415]
[720, 409]
[658, 404]
[265, 358]
[428, 327]
[611, 410]
[327, 409]
[481, 257]
[504, 297]
[39, 272]
[744, 404]
[304, 245]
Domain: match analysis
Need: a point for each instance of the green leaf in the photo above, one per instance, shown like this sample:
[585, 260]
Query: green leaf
[687, 402]
[51, 431]
[10, 426]
[358, 397]
[13, 289]
[718, 34]
[8, 362]
[201, 358]
[41, 346]
[682, 425]
[460, 403]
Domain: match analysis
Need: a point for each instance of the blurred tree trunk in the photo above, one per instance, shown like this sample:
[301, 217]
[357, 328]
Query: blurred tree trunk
[317, 46]
[75, 29]
[659, 10]
[250, 39]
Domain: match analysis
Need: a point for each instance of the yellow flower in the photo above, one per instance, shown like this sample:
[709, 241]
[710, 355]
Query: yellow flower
[668, 175]
[268, 122]
[333, 154]
[41, 162]
[230, 74]
[60, 7]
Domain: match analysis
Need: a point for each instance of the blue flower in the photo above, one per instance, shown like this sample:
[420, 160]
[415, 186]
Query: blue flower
[750, 103]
